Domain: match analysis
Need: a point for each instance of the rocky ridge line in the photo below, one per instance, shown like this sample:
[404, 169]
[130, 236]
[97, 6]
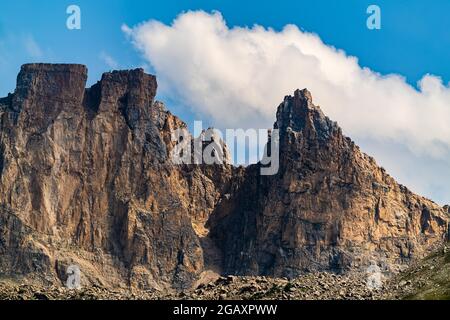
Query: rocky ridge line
[86, 178]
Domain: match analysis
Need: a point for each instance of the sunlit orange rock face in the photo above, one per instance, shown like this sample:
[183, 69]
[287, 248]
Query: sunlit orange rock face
[87, 179]
[329, 208]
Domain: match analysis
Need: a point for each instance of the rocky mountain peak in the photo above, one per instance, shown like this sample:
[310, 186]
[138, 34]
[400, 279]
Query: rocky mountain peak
[39, 69]
[133, 90]
[58, 81]
[86, 180]
[134, 86]
[329, 207]
[299, 114]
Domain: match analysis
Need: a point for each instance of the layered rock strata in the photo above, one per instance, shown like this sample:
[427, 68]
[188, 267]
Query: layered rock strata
[87, 179]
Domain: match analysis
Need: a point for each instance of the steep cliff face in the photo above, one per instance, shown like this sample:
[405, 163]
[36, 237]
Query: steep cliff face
[86, 178]
[330, 207]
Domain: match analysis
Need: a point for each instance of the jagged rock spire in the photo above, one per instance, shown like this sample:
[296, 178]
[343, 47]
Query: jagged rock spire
[298, 113]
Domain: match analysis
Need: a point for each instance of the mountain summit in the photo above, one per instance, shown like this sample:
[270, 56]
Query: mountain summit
[86, 180]
[329, 208]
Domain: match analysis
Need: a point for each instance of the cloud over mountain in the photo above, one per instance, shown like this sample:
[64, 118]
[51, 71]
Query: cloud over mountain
[237, 76]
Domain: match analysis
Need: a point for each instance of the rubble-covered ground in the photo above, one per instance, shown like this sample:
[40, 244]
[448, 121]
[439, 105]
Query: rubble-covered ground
[312, 286]
[425, 279]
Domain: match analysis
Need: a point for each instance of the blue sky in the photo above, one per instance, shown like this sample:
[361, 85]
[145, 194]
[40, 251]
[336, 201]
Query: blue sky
[414, 41]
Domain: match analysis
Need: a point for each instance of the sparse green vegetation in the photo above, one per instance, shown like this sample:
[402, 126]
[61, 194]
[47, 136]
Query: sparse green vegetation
[429, 279]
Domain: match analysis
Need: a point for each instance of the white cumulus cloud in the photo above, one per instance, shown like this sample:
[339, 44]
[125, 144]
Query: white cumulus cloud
[237, 76]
